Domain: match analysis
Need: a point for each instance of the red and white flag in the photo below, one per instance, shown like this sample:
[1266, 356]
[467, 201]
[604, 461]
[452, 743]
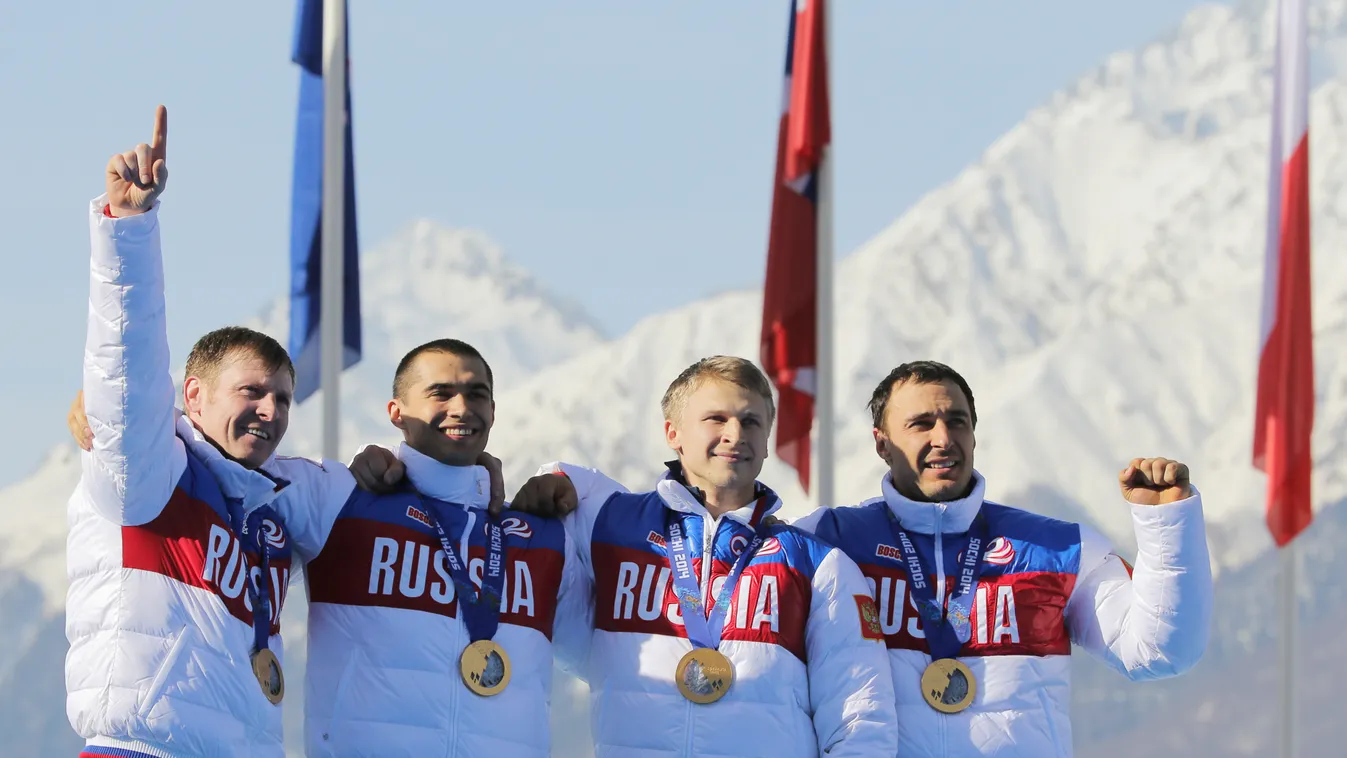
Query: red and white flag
[790, 297]
[1285, 413]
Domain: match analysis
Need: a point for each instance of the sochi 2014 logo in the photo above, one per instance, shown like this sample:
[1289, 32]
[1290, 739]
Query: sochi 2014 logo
[1000, 552]
[273, 534]
[516, 526]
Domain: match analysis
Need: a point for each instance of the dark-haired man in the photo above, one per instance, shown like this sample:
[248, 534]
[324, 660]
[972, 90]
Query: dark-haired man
[980, 603]
[392, 669]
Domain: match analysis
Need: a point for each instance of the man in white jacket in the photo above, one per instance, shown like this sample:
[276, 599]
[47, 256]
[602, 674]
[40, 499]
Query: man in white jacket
[179, 549]
[431, 622]
[985, 669]
[718, 632]
[179, 529]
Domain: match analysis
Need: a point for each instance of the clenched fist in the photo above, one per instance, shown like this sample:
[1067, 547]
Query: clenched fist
[137, 177]
[1154, 481]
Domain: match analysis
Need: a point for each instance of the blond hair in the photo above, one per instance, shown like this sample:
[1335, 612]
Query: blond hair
[725, 368]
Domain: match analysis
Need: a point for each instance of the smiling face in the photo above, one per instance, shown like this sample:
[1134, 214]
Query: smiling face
[444, 407]
[927, 440]
[720, 435]
[244, 409]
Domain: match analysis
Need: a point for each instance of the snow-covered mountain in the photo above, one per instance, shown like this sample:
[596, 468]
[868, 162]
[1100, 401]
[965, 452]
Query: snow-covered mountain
[1096, 275]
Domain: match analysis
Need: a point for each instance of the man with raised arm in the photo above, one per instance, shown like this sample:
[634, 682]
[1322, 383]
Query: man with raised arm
[980, 603]
[178, 553]
[403, 566]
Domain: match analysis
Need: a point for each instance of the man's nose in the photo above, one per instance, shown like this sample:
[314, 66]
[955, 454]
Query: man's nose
[940, 434]
[732, 432]
[456, 406]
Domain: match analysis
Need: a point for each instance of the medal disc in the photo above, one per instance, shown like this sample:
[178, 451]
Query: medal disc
[485, 667]
[948, 685]
[270, 678]
[704, 675]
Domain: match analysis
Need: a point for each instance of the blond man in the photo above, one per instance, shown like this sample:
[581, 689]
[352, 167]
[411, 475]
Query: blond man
[717, 632]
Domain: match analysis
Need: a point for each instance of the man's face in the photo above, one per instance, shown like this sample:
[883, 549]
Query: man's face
[720, 436]
[927, 440]
[447, 409]
[245, 411]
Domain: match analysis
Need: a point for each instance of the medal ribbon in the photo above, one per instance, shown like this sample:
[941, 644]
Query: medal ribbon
[259, 591]
[704, 626]
[481, 607]
[948, 627]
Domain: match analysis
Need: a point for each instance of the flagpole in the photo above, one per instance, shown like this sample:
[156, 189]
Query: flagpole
[1289, 608]
[824, 408]
[333, 218]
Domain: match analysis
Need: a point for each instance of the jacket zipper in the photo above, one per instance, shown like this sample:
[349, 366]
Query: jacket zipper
[708, 543]
[465, 541]
[940, 595]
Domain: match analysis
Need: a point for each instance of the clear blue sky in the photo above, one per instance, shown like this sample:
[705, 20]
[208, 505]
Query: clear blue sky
[621, 150]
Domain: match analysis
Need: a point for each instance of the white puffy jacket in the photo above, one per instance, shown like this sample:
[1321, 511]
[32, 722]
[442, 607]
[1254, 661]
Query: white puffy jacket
[158, 619]
[1045, 584]
[810, 672]
[385, 634]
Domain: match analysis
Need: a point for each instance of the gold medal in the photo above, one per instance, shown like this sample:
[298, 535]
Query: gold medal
[948, 685]
[704, 675]
[267, 669]
[485, 667]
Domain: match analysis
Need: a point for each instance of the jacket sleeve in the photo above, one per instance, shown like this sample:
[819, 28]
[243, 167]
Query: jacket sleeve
[850, 682]
[137, 458]
[574, 627]
[1154, 623]
[310, 504]
[593, 489]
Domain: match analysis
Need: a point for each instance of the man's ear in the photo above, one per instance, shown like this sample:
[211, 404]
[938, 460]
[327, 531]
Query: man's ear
[671, 436]
[395, 414]
[193, 395]
[882, 445]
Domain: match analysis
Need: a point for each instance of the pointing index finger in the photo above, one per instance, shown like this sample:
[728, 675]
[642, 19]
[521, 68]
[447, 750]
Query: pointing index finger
[159, 142]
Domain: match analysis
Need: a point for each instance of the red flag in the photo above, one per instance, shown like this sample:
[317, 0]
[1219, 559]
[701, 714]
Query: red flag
[790, 297]
[1285, 413]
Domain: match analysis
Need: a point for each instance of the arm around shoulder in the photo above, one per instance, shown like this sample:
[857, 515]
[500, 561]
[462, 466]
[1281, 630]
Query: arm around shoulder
[592, 489]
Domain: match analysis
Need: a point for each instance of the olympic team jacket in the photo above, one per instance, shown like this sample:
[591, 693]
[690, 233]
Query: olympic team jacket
[385, 631]
[1044, 585]
[810, 674]
[158, 615]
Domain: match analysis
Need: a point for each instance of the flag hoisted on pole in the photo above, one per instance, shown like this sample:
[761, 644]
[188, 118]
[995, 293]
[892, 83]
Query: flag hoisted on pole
[797, 298]
[1284, 417]
[324, 264]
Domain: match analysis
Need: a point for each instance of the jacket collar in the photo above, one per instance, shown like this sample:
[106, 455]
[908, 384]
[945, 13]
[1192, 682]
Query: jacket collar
[467, 486]
[951, 517]
[253, 487]
[682, 497]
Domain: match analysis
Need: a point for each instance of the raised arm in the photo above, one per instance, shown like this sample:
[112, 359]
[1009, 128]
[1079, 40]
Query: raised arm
[1153, 621]
[128, 392]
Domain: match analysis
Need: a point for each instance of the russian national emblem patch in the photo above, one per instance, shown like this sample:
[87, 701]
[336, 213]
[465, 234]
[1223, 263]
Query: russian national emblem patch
[869, 615]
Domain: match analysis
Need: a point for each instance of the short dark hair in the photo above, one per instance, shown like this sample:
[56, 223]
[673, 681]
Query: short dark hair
[209, 352]
[919, 372]
[449, 346]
